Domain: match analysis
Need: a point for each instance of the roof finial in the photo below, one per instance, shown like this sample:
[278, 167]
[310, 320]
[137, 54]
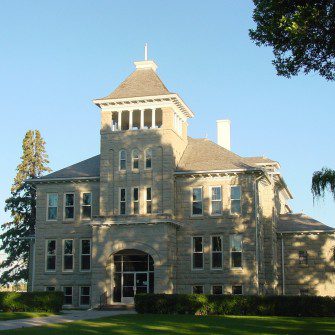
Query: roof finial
[146, 51]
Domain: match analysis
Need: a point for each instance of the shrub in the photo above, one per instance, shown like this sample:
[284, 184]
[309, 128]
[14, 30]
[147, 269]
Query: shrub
[201, 304]
[31, 301]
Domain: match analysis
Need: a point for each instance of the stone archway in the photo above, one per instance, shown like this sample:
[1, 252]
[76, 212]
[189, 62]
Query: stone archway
[133, 273]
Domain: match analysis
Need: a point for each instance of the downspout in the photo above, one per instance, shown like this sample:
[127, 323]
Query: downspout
[256, 204]
[33, 270]
[282, 264]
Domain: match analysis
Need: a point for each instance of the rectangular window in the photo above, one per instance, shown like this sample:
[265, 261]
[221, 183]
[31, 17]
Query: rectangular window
[68, 295]
[197, 201]
[68, 253]
[69, 206]
[236, 251]
[85, 295]
[303, 257]
[216, 201]
[216, 246]
[237, 290]
[122, 201]
[148, 159]
[122, 160]
[304, 291]
[50, 288]
[235, 199]
[85, 255]
[52, 199]
[86, 206]
[148, 200]
[197, 289]
[50, 255]
[197, 253]
[136, 196]
[217, 290]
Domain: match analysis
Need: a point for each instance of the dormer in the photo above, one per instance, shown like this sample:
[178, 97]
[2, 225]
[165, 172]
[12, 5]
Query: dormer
[142, 102]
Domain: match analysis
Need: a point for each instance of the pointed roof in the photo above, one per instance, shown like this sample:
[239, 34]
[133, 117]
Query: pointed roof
[143, 82]
[204, 155]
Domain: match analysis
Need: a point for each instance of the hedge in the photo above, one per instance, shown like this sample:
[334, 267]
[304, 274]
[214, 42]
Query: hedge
[31, 301]
[201, 304]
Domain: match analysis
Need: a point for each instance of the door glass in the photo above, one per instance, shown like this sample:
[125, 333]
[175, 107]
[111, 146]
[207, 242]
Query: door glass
[128, 285]
[141, 283]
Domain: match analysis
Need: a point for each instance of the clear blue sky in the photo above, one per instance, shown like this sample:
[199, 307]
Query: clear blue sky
[56, 56]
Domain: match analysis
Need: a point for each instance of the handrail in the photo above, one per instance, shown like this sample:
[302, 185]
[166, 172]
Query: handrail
[103, 299]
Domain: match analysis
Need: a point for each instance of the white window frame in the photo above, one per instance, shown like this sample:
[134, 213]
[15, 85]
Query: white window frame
[203, 289]
[83, 205]
[197, 252]
[124, 201]
[212, 292]
[231, 200]
[202, 201]
[63, 254]
[81, 254]
[46, 255]
[219, 201]
[145, 158]
[133, 159]
[125, 159]
[148, 201]
[72, 295]
[216, 252]
[230, 252]
[74, 206]
[90, 296]
[137, 201]
[47, 212]
[237, 285]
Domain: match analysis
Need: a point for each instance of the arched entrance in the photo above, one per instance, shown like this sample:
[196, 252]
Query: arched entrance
[133, 273]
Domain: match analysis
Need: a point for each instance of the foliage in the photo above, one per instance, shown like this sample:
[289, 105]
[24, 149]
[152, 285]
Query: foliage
[31, 301]
[200, 304]
[22, 207]
[4, 316]
[301, 33]
[322, 181]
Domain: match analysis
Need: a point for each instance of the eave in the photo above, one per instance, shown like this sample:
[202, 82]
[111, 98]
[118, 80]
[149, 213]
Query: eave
[61, 180]
[135, 101]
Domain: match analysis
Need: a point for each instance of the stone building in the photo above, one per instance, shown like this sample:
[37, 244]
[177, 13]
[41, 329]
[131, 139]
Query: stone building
[158, 211]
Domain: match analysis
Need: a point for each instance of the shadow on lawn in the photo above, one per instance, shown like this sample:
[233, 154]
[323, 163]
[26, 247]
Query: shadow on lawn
[187, 324]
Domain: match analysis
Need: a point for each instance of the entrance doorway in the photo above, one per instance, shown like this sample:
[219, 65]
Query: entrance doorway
[133, 274]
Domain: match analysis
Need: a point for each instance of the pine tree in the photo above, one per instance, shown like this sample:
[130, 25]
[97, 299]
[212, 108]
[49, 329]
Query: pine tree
[22, 207]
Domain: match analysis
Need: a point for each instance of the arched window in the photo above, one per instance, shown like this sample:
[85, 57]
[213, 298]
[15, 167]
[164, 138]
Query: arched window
[135, 157]
[122, 160]
[148, 159]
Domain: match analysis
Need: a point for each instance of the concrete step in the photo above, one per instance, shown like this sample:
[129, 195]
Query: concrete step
[118, 307]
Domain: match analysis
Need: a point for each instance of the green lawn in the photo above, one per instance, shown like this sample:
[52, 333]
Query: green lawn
[187, 324]
[20, 315]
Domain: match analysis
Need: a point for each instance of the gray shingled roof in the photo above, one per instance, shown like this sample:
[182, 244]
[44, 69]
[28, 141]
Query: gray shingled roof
[87, 168]
[300, 222]
[141, 83]
[205, 155]
[260, 160]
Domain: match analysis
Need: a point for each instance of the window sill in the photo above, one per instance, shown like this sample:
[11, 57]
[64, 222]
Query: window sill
[200, 216]
[197, 269]
[236, 269]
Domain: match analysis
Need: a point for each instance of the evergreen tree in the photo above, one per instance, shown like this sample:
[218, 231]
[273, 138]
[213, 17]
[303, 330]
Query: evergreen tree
[22, 207]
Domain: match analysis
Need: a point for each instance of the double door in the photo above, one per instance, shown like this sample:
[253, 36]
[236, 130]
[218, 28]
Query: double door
[133, 283]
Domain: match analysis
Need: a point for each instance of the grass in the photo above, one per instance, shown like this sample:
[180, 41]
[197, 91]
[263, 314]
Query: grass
[21, 315]
[138, 324]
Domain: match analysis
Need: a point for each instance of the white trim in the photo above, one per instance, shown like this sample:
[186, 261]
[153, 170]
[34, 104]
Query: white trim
[81, 254]
[132, 160]
[217, 252]
[231, 200]
[202, 201]
[148, 200]
[63, 254]
[211, 201]
[237, 285]
[203, 289]
[46, 255]
[125, 159]
[74, 206]
[82, 205]
[216, 285]
[217, 171]
[202, 253]
[79, 298]
[230, 252]
[145, 159]
[47, 207]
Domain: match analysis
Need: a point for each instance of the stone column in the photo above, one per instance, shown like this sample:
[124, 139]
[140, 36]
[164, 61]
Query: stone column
[142, 119]
[131, 119]
[153, 118]
[119, 118]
